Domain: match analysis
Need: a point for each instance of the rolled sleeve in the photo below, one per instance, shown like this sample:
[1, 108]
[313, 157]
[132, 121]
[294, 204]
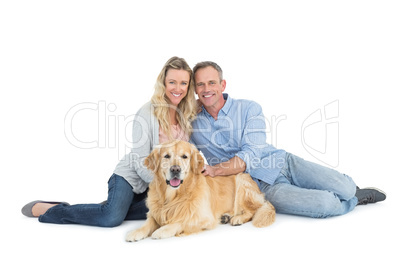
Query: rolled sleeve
[253, 140]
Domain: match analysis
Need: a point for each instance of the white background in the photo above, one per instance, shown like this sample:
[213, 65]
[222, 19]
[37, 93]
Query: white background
[293, 57]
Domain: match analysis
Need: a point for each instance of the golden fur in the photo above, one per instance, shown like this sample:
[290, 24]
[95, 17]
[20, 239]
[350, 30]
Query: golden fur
[199, 202]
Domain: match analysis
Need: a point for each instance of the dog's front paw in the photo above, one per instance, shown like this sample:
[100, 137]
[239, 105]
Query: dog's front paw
[136, 235]
[236, 221]
[161, 234]
[166, 231]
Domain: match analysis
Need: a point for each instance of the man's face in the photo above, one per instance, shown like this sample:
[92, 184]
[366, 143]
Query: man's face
[208, 87]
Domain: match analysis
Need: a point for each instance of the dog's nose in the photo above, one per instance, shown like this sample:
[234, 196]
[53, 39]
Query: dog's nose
[175, 169]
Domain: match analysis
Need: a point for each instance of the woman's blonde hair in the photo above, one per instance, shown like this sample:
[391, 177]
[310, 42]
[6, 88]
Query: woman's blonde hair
[186, 110]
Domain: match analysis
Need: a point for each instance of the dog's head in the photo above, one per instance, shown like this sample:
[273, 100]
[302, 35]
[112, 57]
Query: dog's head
[175, 162]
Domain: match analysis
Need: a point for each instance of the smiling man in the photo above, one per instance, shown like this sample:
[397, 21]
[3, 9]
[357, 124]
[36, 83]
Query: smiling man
[231, 134]
[210, 89]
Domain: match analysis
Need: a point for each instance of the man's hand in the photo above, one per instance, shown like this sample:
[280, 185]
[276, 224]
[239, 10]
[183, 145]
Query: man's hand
[232, 167]
[209, 171]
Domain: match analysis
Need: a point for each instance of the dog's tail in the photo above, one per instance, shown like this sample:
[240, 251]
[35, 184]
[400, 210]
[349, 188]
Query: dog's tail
[265, 215]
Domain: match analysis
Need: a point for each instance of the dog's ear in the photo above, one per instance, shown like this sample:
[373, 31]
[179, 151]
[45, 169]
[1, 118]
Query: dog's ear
[152, 160]
[197, 161]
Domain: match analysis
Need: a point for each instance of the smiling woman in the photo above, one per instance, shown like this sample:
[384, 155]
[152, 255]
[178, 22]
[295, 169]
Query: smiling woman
[167, 116]
[176, 86]
[174, 95]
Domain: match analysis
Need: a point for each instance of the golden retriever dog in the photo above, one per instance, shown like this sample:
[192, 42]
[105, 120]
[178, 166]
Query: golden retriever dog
[182, 201]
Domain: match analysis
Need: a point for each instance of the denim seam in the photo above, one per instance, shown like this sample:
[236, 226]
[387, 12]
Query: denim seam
[110, 197]
[312, 214]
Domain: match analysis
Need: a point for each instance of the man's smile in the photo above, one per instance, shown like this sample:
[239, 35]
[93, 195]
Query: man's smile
[207, 95]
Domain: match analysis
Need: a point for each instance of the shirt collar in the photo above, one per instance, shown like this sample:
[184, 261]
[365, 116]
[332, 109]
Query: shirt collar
[228, 103]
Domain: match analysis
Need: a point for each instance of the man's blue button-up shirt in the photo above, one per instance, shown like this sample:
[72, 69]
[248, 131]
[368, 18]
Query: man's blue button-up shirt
[240, 130]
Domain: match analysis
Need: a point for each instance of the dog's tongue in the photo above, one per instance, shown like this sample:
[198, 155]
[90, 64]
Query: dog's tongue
[175, 182]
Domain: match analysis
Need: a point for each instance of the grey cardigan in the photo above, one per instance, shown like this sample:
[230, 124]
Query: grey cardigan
[145, 137]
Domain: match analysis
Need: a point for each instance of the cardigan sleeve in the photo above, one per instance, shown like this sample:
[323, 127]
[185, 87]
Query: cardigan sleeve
[145, 135]
[143, 141]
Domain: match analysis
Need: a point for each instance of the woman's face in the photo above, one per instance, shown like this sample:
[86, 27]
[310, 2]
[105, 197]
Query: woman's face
[176, 84]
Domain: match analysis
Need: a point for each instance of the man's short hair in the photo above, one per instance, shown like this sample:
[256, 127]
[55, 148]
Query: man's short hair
[205, 64]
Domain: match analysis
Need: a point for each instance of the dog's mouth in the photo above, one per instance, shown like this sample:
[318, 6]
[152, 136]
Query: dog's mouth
[175, 182]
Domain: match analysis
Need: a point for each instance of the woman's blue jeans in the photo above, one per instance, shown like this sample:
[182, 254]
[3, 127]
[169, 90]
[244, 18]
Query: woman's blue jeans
[308, 189]
[122, 204]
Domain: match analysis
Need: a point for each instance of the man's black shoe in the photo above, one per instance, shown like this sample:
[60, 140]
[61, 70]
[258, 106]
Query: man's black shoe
[369, 195]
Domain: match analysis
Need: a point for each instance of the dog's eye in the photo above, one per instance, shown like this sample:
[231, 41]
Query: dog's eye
[167, 156]
[184, 156]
